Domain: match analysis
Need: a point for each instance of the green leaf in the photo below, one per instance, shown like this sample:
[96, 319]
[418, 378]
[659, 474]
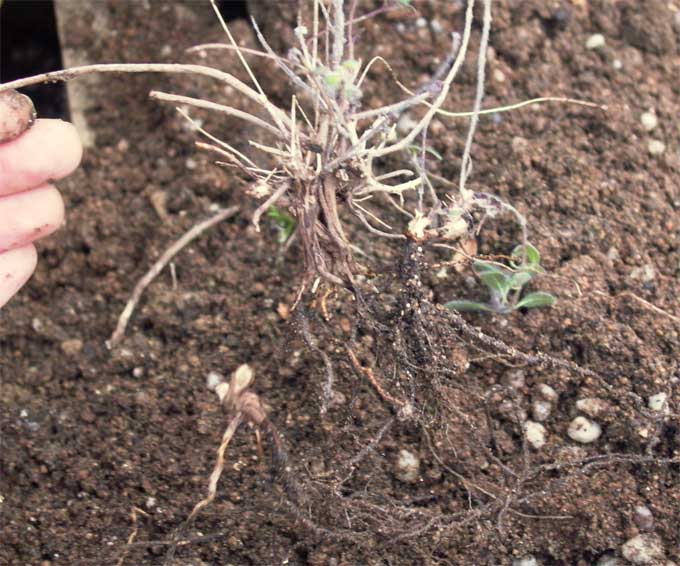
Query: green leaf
[535, 300]
[284, 223]
[468, 306]
[333, 79]
[496, 282]
[416, 149]
[351, 65]
[494, 277]
[533, 255]
[519, 279]
[487, 267]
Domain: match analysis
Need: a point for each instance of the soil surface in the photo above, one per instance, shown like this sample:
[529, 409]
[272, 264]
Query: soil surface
[104, 446]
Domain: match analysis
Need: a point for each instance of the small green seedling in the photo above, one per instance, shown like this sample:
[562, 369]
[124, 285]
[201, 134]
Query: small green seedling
[285, 224]
[505, 284]
[416, 150]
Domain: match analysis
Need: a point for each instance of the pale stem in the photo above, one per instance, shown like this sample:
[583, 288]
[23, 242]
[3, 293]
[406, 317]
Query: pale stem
[338, 32]
[248, 50]
[263, 97]
[208, 105]
[74, 72]
[466, 164]
[292, 77]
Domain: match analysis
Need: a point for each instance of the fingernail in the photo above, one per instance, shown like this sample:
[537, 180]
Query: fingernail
[17, 114]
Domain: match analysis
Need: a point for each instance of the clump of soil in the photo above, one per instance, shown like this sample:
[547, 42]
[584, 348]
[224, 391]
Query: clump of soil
[90, 435]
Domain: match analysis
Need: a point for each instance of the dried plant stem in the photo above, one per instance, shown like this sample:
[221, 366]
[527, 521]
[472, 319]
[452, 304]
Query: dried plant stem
[74, 72]
[518, 105]
[466, 165]
[208, 105]
[338, 33]
[157, 267]
[210, 46]
[292, 77]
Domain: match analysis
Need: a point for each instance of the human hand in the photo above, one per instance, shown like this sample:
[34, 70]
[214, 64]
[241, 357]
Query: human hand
[30, 207]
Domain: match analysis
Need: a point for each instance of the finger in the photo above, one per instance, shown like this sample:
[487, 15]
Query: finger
[50, 150]
[16, 267]
[27, 216]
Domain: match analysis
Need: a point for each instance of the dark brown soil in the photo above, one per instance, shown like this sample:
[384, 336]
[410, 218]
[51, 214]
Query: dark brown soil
[91, 435]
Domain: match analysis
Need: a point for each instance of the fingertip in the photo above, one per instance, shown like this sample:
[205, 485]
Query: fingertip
[50, 150]
[65, 135]
[16, 268]
[53, 204]
[29, 216]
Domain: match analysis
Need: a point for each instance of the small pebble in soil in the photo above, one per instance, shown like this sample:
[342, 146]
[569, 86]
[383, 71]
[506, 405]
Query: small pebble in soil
[595, 41]
[608, 560]
[645, 273]
[535, 434]
[584, 431]
[547, 392]
[593, 406]
[649, 121]
[525, 561]
[421, 23]
[656, 147]
[643, 518]
[408, 466]
[72, 347]
[540, 410]
[658, 402]
[436, 26]
[613, 254]
[617, 64]
[643, 549]
[212, 380]
[137, 372]
[515, 379]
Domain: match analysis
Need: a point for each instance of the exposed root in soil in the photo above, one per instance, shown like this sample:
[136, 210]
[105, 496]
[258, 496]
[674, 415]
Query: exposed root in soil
[410, 367]
[159, 265]
[133, 534]
[311, 342]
